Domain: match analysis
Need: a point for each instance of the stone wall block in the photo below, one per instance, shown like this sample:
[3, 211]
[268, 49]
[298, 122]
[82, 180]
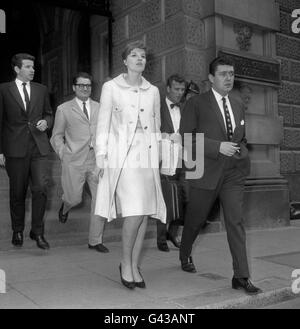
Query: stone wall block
[194, 31]
[144, 17]
[172, 7]
[288, 5]
[295, 71]
[287, 163]
[119, 6]
[289, 93]
[120, 30]
[296, 115]
[291, 139]
[287, 113]
[297, 161]
[288, 47]
[285, 69]
[166, 36]
[193, 7]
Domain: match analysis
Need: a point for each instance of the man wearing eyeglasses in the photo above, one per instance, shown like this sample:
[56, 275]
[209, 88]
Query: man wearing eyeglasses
[73, 140]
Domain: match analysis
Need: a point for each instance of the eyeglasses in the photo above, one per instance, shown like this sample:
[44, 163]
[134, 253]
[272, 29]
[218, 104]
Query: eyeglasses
[83, 86]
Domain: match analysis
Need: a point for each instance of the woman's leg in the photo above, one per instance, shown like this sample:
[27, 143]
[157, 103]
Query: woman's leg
[130, 231]
[138, 248]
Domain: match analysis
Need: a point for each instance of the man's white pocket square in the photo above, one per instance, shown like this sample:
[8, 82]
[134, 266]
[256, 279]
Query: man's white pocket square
[242, 122]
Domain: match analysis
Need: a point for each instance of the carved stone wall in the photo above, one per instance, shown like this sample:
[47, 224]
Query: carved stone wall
[288, 52]
[173, 32]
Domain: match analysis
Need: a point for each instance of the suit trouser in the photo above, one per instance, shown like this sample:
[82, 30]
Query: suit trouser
[230, 190]
[168, 228]
[32, 169]
[73, 180]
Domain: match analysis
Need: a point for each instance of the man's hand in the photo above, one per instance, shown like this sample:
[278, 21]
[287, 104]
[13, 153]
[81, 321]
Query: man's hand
[42, 125]
[2, 160]
[229, 148]
[176, 138]
[100, 162]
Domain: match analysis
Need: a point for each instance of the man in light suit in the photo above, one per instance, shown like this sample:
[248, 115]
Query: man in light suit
[73, 139]
[25, 116]
[170, 114]
[226, 165]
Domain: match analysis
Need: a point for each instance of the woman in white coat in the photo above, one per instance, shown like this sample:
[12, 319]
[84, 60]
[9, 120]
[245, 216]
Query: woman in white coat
[127, 153]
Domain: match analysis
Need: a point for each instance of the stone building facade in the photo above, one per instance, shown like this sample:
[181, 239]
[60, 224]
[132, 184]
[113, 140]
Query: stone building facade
[183, 36]
[288, 52]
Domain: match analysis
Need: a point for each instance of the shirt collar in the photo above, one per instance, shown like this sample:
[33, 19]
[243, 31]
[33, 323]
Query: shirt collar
[219, 96]
[80, 102]
[169, 102]
[20, 82]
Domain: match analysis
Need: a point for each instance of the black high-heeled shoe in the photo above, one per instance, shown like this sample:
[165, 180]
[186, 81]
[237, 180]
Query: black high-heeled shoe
[127, 284]
[142, 283]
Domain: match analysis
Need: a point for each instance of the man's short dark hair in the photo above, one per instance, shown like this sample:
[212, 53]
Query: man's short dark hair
[175, 77]
[84, 75]
[18, 58]
[221, 60]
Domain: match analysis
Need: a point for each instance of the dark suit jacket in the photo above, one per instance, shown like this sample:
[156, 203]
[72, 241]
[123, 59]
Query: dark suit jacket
[166, 125]
[202, 115]
[16, 124]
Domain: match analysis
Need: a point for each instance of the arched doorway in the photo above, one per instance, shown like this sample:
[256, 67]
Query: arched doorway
[22, 35]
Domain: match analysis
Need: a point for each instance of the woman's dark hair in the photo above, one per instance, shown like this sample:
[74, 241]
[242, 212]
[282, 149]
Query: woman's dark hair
[133, 45]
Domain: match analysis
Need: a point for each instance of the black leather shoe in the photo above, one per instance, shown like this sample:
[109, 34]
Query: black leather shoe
[61, 216]
[40, 240]
[173, 240]
[17, 239]
[99, 247]
[127, 284]
[188, 266]
[142, 283]
[246, 285]
[163, 246]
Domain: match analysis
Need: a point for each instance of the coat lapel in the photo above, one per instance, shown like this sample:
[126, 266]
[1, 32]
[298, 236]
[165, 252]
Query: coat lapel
[94, 108]
[15, 93]
[33, 96]
[77, 109]
[167, 117]
[216, 108]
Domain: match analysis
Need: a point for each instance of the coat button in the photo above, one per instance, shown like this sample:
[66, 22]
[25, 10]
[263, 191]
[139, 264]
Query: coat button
[149, 146]
[142, 110]
[145, 127]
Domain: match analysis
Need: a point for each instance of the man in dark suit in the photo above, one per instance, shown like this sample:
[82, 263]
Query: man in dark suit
[170, 113]
[226, 165]
[25, 116]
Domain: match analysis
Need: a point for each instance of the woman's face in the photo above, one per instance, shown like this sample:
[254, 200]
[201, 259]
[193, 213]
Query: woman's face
[136, 60]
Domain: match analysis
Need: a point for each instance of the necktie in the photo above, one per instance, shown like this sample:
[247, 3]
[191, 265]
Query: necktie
[26, 96]
[174, 104]
[85, 110]
[227, 120]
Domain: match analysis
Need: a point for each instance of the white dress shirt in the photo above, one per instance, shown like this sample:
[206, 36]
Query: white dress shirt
[87, 105]
[220, 103]
[175, 115]
[20, 88]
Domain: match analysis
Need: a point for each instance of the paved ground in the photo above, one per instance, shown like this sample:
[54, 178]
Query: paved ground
[72, 276]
